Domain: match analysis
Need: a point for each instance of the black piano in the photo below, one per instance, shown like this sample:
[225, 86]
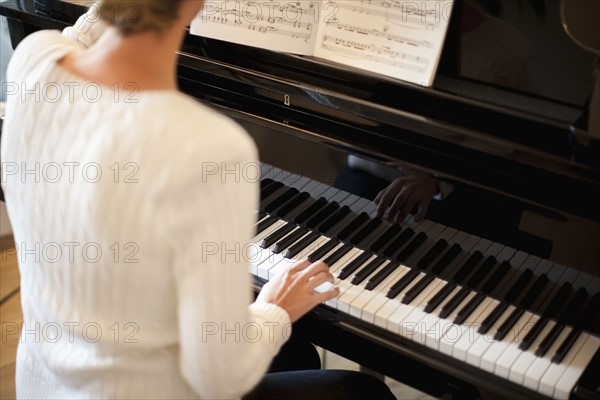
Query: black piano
[496, 292]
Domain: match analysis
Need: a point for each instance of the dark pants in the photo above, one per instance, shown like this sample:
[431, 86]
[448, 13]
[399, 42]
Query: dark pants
[296, 374]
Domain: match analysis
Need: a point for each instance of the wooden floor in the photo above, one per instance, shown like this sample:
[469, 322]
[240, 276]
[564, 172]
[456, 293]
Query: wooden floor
[10, 318]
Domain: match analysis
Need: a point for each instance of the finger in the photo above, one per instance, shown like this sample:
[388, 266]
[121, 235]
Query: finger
[378, 197]
[406, 209]
[312, 270]
[299, 266]
[398, 204]
[319, 298]
[423, 207]
[319, 279]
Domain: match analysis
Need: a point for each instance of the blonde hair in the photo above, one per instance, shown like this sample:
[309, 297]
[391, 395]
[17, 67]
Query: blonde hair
[136, 16]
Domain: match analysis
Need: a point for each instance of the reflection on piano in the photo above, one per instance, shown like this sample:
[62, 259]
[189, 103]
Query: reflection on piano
[496, 293]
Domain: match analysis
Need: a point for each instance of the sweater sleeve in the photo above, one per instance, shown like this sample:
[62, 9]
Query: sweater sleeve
[226, 343]
[88, 28]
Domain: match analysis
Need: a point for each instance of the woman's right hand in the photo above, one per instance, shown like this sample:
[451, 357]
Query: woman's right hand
[294, 289]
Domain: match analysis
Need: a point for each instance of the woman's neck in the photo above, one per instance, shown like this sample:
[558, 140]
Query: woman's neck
[146, 60]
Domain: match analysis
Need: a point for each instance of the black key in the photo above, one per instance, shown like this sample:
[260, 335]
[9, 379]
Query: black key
[291, 206]
[497, 277]
[367, 270]
[278, 234]
[269, 188]
[510, 297]
[398, 242]
[356, 223]
[432, 254]
[289, 240]
[365, 231]
[322, 215]
[323, 250]
[381, 275]
[330, 222]
[354, 265]
[310, 211]
[454, 302]
[517, 288]
[559, 300]
[411, 247]
[262, 225]
[568, 314]
[385, 238]
[417, 288]
[338, 254]
[513, 318]
[437, 299]
[484, 269]
[468, 309]
[446, 259]
[467, 267]
[585, 321]
[281, 200]
[402, 283]
[301, 245]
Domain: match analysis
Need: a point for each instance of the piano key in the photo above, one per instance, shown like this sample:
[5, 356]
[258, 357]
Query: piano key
[385, 238]
[575, 304]
[424, 282]
[334, 219]
[565, 384]
[411, 247]
[585, 322]
[439, 297]
[537, 369]
[354, 265]
[555, 371]
[353, 226]
[290, 239]
[264, 224]
[337, 255]
[558, 301]
[323, 250]
[468, 266]
[535, 289]
[432, 254]
[489, 361]
[271, 239]
[319, 217]
[277, 199]
[301, 245]
[505, 362]
[403, 320]
[398, 242]
[367, 270]
[484, 269]
[367, 230]
[310, 211]
[509, 298]
[296, 202]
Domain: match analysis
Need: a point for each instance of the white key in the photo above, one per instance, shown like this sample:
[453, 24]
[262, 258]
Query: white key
[540, 365]
[565, 384]
[520, 367]
[555, 371]
[508, 357]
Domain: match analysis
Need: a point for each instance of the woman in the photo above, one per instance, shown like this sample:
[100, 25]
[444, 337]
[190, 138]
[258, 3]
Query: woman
[131, 241]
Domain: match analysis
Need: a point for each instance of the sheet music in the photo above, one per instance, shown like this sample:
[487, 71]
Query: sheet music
[402, 39]
[289, 26]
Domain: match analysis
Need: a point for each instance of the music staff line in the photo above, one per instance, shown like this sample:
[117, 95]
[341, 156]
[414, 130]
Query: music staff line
[352, 49]
[377, 33]
[297, 34]
[411, 19]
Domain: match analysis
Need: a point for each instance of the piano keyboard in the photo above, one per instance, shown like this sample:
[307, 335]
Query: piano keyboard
[502, 310]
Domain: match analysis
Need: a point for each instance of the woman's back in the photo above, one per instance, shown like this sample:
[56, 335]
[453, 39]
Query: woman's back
[103, 186]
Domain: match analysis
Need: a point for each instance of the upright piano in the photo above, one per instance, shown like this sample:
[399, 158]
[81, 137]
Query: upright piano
[496, 292]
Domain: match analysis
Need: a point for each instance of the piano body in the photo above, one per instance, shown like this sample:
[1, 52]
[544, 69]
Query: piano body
[495, 294]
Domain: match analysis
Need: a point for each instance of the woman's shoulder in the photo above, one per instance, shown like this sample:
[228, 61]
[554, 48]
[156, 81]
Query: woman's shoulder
[199, 126]
[35, 48]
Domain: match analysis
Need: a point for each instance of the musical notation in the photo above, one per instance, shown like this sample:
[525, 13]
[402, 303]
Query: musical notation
[373, 53]
[387, 35]
[395, 38]
[408, 18]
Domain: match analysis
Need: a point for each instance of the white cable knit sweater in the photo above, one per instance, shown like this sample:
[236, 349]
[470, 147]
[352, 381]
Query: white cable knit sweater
[130, 214]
